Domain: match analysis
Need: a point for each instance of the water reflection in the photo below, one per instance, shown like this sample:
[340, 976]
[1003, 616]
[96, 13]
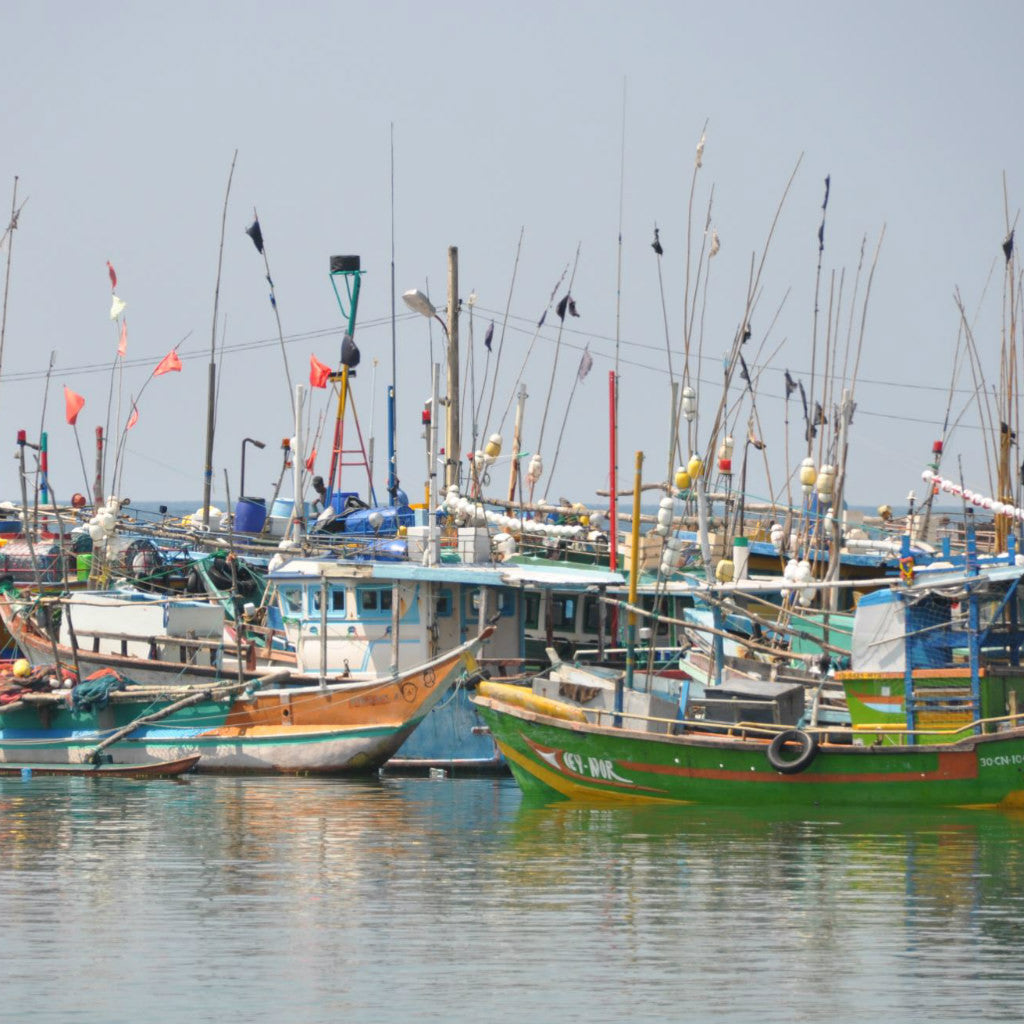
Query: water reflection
[309, 900]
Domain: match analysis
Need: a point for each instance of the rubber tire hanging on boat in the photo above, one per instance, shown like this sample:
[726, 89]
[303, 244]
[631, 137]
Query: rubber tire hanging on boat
[791, 765]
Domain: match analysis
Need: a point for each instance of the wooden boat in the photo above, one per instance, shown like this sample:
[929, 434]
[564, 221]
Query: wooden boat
[936, 698]
[554, 754]
[105, 769]
[279, 722]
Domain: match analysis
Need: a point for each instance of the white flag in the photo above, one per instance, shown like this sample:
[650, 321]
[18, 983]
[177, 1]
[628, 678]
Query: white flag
[116, 308]
[586, 362]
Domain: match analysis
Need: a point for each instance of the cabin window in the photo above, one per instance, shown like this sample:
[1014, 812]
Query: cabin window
[532, 614]
[650, 604]
[503, 601]
[291, 600]
[374, 601]
[444, 605]
[563, 612]
[592, 617]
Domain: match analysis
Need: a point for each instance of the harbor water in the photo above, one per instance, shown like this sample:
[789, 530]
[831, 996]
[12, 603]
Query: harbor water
[407, 899]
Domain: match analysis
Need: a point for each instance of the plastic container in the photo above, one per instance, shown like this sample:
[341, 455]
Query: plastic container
[391, 518]
[83, 566]
[250, 515]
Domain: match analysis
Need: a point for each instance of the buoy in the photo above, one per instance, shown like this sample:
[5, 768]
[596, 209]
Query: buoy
[689, 403]
[807, 475]
[724, 570]
[665, 509]
[825, 481]
[21, 668]
[682, 479]
[694, 467]
[493, 447]
[725, 450]
[535, 469]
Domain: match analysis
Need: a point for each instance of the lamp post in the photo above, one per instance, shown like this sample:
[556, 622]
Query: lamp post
[419, 303]
[259, 444]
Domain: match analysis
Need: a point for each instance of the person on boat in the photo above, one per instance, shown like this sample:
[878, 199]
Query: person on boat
[320, 502]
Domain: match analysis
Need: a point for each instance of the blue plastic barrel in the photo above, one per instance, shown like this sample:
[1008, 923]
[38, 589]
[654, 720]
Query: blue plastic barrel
[250, 515]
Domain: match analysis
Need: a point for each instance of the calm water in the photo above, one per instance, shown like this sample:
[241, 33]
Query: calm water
[265, 899]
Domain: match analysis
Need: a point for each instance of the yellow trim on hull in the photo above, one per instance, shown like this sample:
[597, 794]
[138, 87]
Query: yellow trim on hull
[521, 697]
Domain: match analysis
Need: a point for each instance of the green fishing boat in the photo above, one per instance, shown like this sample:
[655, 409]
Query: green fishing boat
[556, 750]
[936, 698]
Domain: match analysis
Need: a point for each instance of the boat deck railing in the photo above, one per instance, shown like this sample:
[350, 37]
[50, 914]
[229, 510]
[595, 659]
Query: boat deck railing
[833, 734]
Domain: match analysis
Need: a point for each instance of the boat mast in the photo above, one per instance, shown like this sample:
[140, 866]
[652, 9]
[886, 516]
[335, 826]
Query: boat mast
[211, 392]
[453, 460]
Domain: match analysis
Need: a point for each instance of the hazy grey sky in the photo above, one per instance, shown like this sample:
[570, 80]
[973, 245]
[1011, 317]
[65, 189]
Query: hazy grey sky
[121, 120]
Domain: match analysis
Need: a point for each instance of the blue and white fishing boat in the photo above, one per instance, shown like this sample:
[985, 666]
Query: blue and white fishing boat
[366, 619]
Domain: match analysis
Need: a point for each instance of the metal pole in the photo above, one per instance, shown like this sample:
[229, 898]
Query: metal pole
[453, 444]
[432, 478]
[298, 528]
[97, 487]
[396, 608]
[392, 453]
[634, 576]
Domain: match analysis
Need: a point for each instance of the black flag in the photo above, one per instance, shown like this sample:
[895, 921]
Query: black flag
[824, 207]
[1008, 246]
[790, 384]
[656, 244]
[489, 336]
[744, 372]
[567, 303]
[253, 231]
[349, 352]
[803, 398]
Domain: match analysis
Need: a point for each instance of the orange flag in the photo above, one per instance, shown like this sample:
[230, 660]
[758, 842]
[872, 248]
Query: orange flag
[133, 419]
[169, 364]
[318, 373]
[73, 403]
[122, 345]
[113, 276]
[311, 461]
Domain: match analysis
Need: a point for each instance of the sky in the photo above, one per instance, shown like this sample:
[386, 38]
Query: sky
[545, 141]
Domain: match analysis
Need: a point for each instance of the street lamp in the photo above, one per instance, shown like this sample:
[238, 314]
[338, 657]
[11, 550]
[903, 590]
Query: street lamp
[419, 303]
[259, 444]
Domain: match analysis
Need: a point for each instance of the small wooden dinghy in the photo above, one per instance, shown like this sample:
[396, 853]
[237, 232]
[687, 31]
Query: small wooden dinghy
[158, 769]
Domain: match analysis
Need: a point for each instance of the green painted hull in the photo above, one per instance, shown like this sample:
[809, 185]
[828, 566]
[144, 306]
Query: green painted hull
[553, 759]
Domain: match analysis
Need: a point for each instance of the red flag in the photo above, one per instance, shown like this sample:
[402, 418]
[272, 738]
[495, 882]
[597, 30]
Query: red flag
[311, 461]
[318, 373]
[169, 364]
[122, 345]
[133, 419]
[73, 403]
[113, 276]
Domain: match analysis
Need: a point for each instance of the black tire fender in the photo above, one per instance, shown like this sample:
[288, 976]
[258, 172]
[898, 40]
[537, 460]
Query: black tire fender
[807, 750]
